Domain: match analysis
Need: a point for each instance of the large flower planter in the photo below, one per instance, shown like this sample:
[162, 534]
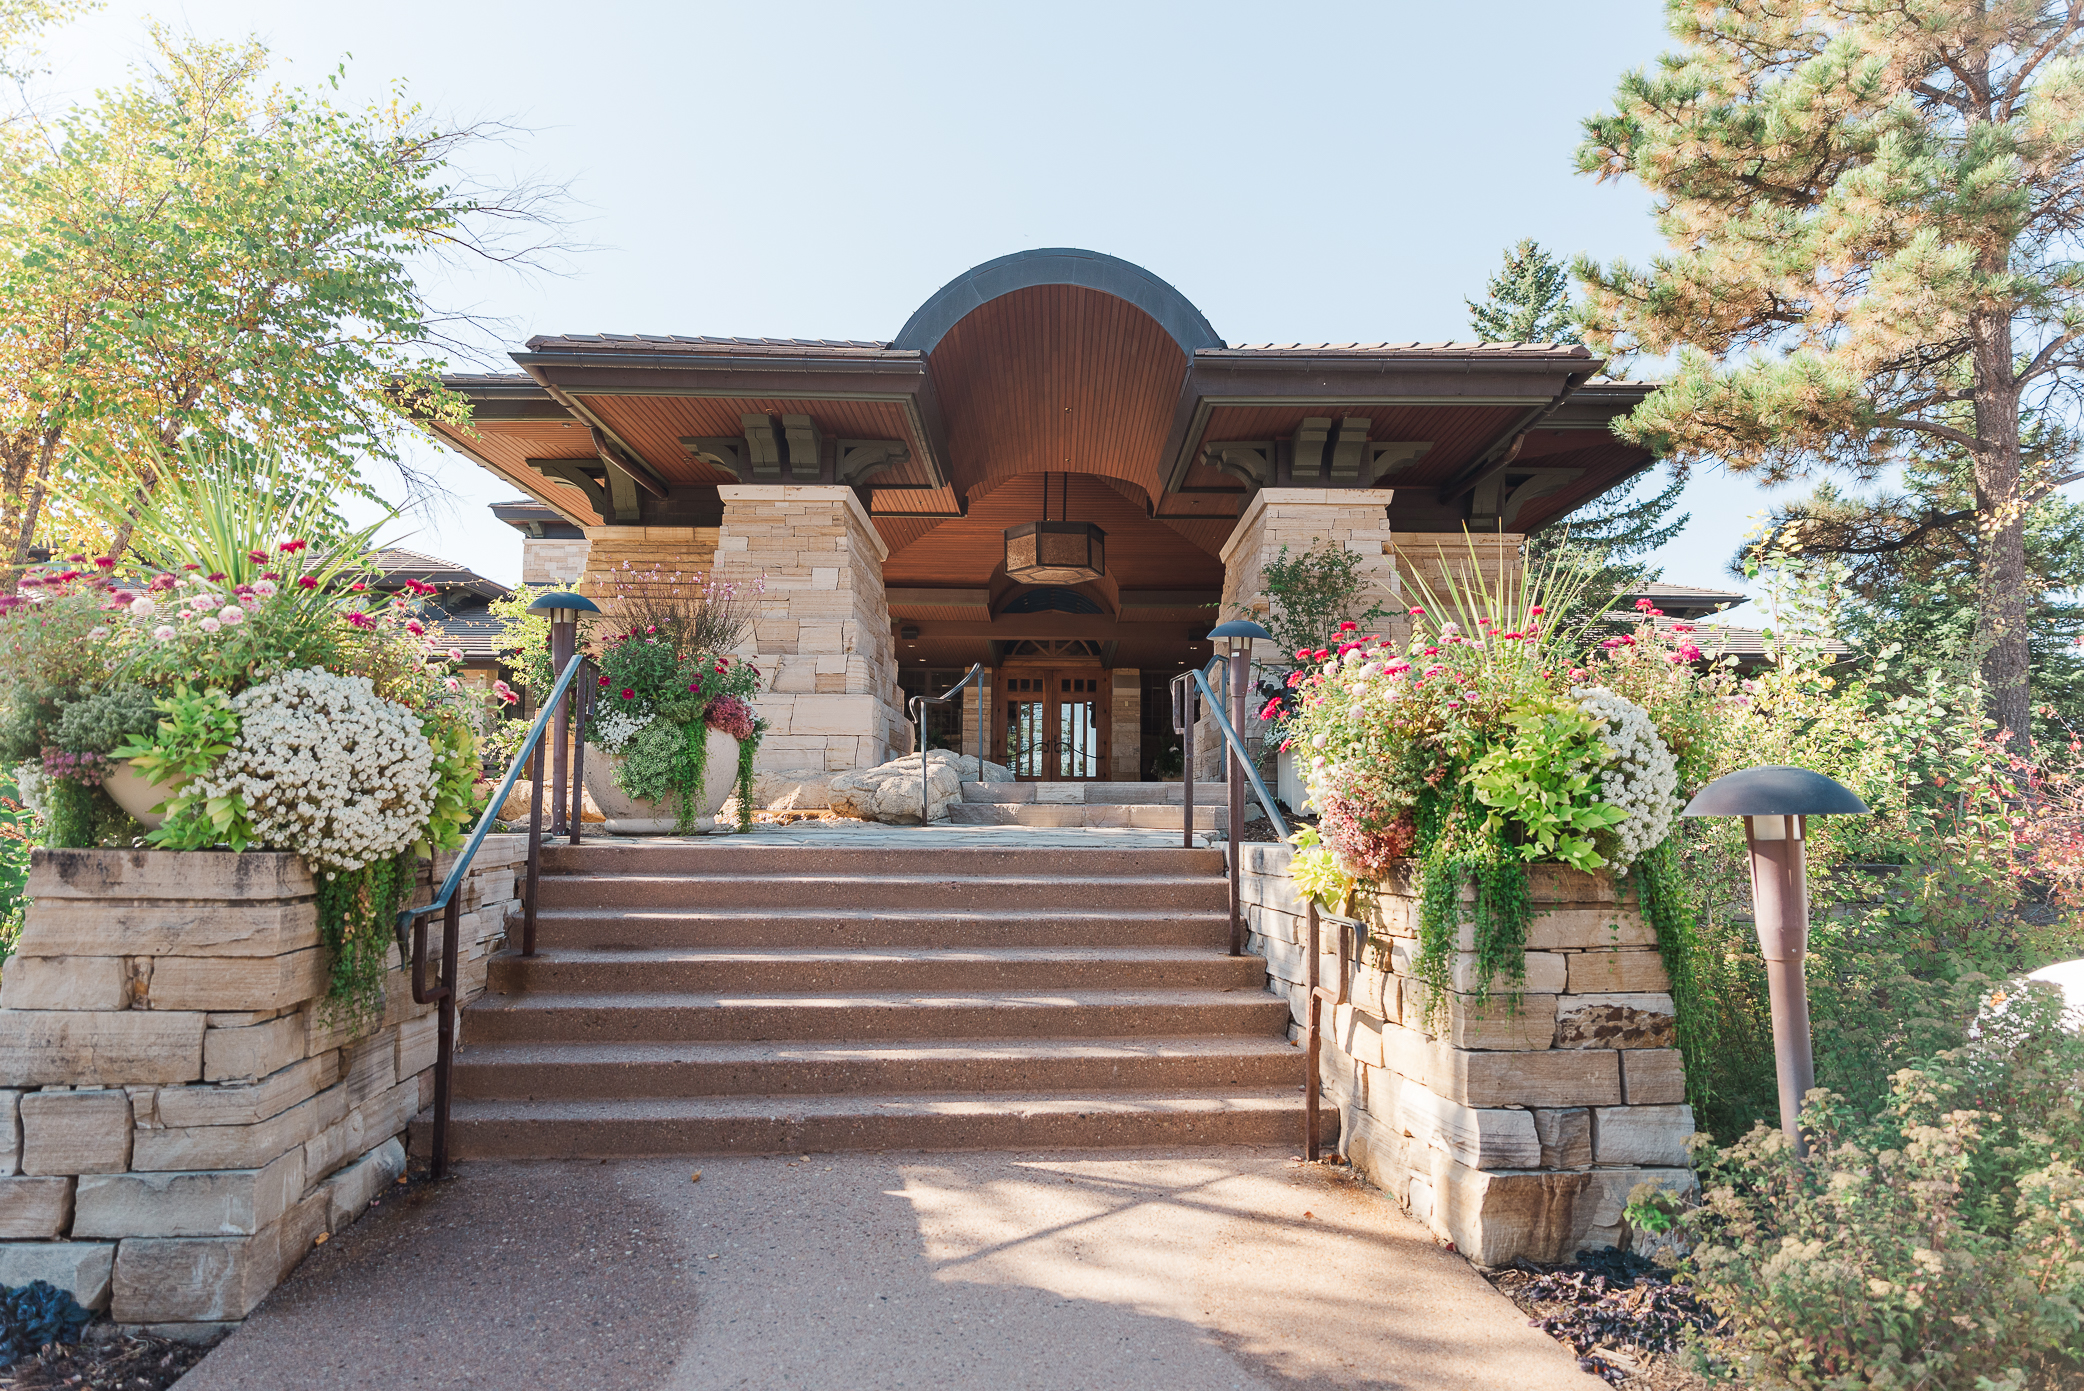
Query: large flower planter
[129, 790]
[631, 816]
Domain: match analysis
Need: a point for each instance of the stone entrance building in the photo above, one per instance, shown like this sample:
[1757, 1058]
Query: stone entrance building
[882, 489]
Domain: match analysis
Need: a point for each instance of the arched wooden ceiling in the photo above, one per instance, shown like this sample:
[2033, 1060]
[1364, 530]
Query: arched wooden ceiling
[1057, 379]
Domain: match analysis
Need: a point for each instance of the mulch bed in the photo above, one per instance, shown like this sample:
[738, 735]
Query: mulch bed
[1624, 1316]
[108, 1361]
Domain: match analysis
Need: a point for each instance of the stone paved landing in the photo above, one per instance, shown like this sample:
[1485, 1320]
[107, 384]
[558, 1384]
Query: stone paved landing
[1173, 1270]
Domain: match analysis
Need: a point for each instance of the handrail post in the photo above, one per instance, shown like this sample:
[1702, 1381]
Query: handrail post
[1240, 661]
[1311, 1029]
[445, 1046]
[582, 707]
[535, 854]
[564, 638]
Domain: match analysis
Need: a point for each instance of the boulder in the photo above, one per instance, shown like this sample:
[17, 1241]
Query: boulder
[891, 791]
[792, 789]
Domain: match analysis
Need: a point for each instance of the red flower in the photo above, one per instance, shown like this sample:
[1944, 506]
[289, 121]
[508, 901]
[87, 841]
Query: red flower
[604, 680]
[1418, 613]
[357, 587]
[628, 694]
[106, 562]
[361, 620]
[191, 566]
[307, 581]
[1644, 604]
[292, 547]
[1302, 654]
[216, 578]
[1349, 627]
[257, 557]
[1537, 612]
[719, 668]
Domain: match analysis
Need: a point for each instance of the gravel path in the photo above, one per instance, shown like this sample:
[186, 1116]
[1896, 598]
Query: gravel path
[1058, 1271]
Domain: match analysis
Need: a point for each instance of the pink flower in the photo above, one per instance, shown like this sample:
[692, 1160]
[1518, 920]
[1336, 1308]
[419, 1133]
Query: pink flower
[453, 684]
[209, 625]
[307, 581]
[415, 627]
[257, 557]
[105, 562]
[1418, 613]
[163, 632]
[264, 588]
[1349, 627]
[232, 613]
[141, 607]
[96, 634]
[361, 620]
[455, 654]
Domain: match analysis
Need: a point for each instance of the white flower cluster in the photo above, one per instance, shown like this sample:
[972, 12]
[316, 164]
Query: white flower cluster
[328, 768]
[614, 729]
[28, 780]
[1643, 779]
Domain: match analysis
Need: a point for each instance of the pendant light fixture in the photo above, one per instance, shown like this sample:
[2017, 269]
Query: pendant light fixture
[1056, 552]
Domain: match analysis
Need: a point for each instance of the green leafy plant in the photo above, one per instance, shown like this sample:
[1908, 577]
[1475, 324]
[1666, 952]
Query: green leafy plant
[1541, 785]
[1934, 1241]
[1308, 595]
[100, 723]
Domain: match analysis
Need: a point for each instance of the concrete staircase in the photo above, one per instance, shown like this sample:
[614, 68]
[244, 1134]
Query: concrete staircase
[1151, 806]
[743, 998]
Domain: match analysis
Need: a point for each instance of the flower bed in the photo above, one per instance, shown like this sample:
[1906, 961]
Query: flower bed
[1485, 746]
[239, 687]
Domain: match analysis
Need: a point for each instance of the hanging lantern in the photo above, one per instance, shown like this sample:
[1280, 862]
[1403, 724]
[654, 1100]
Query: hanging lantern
[1055, 552]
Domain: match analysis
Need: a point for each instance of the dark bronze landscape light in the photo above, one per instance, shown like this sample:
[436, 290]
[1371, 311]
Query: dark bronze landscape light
[1776, 802]
[563, 610]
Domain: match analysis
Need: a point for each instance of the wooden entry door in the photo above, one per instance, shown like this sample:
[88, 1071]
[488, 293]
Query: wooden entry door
[1053, 725]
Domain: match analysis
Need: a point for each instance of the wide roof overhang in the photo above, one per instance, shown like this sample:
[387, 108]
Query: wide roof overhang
[1054, 361]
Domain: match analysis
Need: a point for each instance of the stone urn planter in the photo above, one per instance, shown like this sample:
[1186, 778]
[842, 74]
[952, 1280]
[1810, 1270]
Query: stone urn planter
[128, 789]
[631, 816]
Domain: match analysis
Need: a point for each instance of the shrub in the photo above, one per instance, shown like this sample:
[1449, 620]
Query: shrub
[1934, 1242]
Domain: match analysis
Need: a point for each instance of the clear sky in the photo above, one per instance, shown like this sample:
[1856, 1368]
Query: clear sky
[1302, 172]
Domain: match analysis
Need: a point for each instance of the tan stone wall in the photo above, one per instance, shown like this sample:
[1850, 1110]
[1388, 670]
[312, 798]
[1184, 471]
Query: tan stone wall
[822, 634]
[1512, 1133]
[1444, 562]
[622, 554]
[553, 559]
[1125, 742]
[184, 1119]
[1301, 518]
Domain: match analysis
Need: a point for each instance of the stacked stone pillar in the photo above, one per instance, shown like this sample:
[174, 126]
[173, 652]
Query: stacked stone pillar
[183, 1117]
[822, 630]
[1513, 1129]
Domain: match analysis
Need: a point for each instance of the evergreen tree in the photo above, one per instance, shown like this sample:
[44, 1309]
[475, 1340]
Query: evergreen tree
[1528, 301]
[1871, 216]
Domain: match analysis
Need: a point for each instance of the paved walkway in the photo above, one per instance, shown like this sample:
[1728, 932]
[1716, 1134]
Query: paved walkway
[1059, 1271]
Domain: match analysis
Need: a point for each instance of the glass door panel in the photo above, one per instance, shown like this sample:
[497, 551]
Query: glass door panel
[1077, 727]
[1027, 726]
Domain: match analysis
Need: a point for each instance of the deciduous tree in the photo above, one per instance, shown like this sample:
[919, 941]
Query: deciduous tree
[197, 257]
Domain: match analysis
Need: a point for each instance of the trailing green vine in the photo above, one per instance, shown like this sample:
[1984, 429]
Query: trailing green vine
[1463, 846]
[1661, 893]
[747, 750]
[357, 914]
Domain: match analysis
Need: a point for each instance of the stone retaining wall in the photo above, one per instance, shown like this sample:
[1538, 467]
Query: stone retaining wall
[181, 1118]
[1512, 1133]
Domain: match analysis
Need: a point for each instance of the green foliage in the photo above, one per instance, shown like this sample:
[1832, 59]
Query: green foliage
[1310, 594]
[357, 913]
[1316, 872]
[748, 750]
[1541, 785]
[48, 657]
[100, 722]
[1527, 301]
[1934, 1240]
[197, 728]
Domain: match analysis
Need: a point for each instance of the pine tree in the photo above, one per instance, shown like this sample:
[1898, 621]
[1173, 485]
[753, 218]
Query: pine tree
[1871, 216]
[1528, 301]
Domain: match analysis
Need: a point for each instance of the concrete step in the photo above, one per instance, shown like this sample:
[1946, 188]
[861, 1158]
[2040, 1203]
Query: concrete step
[544, 1071]
[748, 855]
[1206, 794]
[1146, 816]
[870, 969]
[656, 1017]
[1008, 926]
[606, 1129]
[852, 892]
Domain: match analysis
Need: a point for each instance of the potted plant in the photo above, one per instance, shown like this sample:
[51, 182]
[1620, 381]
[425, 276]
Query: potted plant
[232, 686]
[1484, 747]
[672, 734]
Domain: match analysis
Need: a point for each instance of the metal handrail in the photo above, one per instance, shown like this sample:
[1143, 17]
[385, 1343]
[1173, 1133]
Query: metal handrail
[916, 707]
[412, 922]
[1244, 759]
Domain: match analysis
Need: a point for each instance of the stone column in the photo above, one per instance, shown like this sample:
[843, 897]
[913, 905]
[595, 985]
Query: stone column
[1125, 760]
[822, 630]
[1300, 519]
[623, 555]
[1444, 561]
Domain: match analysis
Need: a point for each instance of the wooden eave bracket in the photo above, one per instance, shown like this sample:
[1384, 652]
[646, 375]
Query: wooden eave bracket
[860, 460]
[625, 473]
[613, 498]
